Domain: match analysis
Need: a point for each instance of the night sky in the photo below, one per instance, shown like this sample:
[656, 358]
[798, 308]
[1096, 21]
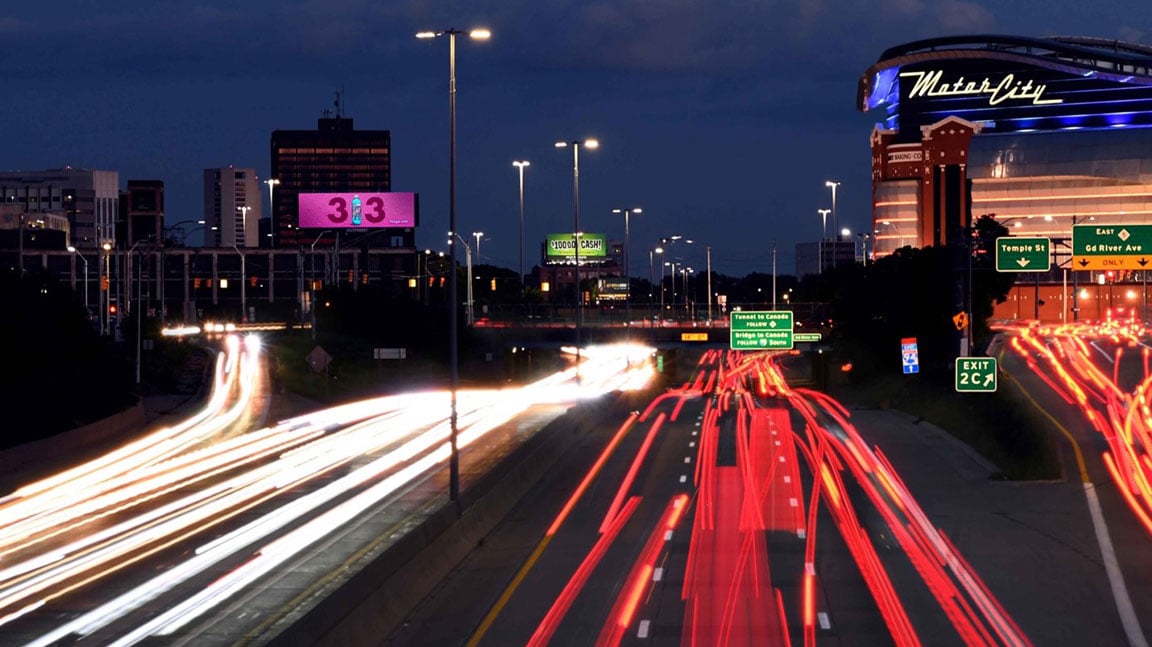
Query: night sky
[721, 119]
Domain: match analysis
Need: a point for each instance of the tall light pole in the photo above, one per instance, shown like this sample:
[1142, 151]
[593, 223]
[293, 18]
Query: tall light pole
[470, 311]
[708, 251]
[832, 184]
[659, 249]
[76, 252]
[575, 144]
[271, 212]
[823, 236]
[105, 287]
[453, 325]
[520, 166]
[627, 268]
[312, 281]
[243, 280]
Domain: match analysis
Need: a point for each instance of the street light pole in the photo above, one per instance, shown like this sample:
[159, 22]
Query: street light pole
[453, 325]
[72, 249]
[708, 251]
[243, 281]
[832, 184]
[312, 282]
[593, 144]
[520, 166]
[823, 236]
[271, 212]
[627, 263]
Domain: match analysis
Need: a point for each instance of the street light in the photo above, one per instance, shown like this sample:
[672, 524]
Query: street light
[832, 184]
[591, 144]
[478, 235]
[105, 327]
[271, 212]
[520, 166]
[312, 283]
[243, 281]
[453, 325]
[824, 235]
[243, 225]
[76, 252]
[627, 269]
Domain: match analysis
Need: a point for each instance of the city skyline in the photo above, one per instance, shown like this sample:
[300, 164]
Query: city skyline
[723, 123]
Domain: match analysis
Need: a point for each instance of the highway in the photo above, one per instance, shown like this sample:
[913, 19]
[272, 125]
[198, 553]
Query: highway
[734, 510]
[211, 519]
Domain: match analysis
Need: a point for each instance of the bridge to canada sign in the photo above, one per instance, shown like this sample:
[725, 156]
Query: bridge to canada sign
[764, 330]
[1111, 247]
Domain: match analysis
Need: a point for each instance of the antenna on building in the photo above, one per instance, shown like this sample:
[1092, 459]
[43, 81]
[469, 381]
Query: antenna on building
[339, 110]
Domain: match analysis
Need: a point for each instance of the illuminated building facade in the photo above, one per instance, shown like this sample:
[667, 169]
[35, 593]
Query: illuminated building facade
[1041, 132]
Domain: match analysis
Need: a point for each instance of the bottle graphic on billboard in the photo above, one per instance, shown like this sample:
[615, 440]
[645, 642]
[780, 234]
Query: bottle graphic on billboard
[355, 211]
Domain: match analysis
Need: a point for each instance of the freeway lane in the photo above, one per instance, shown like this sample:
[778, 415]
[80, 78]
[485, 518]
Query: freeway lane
[1092, 380]
[187, 533]
[1020, 558]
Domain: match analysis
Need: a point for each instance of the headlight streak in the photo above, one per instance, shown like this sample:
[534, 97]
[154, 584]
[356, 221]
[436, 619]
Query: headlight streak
[1121, 418]
[312, 444]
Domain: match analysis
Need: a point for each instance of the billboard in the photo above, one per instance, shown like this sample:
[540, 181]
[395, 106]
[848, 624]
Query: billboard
[562, 247]
[357, 210]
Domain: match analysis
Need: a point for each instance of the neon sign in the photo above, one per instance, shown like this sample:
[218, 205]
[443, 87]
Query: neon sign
[929, 84]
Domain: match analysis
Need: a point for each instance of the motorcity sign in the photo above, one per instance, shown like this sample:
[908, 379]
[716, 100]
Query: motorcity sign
[932, 84]
[356, 210]
[564, 246]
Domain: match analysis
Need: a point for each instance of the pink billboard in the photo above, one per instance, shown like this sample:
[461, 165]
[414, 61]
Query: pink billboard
[357, 210]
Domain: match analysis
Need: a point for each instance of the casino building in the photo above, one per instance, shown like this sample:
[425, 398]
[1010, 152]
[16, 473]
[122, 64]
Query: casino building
[1041, 132]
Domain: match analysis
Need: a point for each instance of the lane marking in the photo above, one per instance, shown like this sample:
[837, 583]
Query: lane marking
[692, 444]
[643, 632]
[683, 478]
[787, 479]
[658, 574]
[687, 459]
[668, 535]
[1128, 618]
[822, 617]
[793, 502]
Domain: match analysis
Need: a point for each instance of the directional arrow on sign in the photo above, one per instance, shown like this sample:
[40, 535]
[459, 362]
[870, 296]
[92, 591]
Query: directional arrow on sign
[1142, 262]
[988, 379]
[1023, 262]
[1083, 262]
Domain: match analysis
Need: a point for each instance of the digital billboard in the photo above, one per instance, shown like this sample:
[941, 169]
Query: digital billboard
[562, 246]
[356, 210]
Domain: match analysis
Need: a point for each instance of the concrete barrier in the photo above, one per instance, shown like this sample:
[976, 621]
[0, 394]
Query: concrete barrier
[373, 602]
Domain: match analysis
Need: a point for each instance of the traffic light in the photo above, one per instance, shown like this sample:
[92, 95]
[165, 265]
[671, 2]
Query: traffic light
[492, 285]
[112, 308]
[252, 281]
[364, 278]
[196, 283]
[351, 276]
[104, 283]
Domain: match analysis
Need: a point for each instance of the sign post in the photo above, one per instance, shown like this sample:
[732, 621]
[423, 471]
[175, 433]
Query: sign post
[1023, 254]
[976, 374]
[766, 330]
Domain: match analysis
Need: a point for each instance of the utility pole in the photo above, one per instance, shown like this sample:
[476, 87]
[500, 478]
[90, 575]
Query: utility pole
[708, 253]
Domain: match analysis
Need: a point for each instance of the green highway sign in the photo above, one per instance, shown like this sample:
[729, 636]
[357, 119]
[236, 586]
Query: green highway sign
[976, 374]
[1111, 247]
[766, 330]
[1019, 254]
[805, 336]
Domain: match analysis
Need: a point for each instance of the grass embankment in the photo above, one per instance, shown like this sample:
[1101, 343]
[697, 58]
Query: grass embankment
[1001, 426]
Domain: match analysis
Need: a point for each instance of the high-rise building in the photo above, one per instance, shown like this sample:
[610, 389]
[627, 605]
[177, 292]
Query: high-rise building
[88, 199]
[231, 207]
[142, 206]
[333, 158]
